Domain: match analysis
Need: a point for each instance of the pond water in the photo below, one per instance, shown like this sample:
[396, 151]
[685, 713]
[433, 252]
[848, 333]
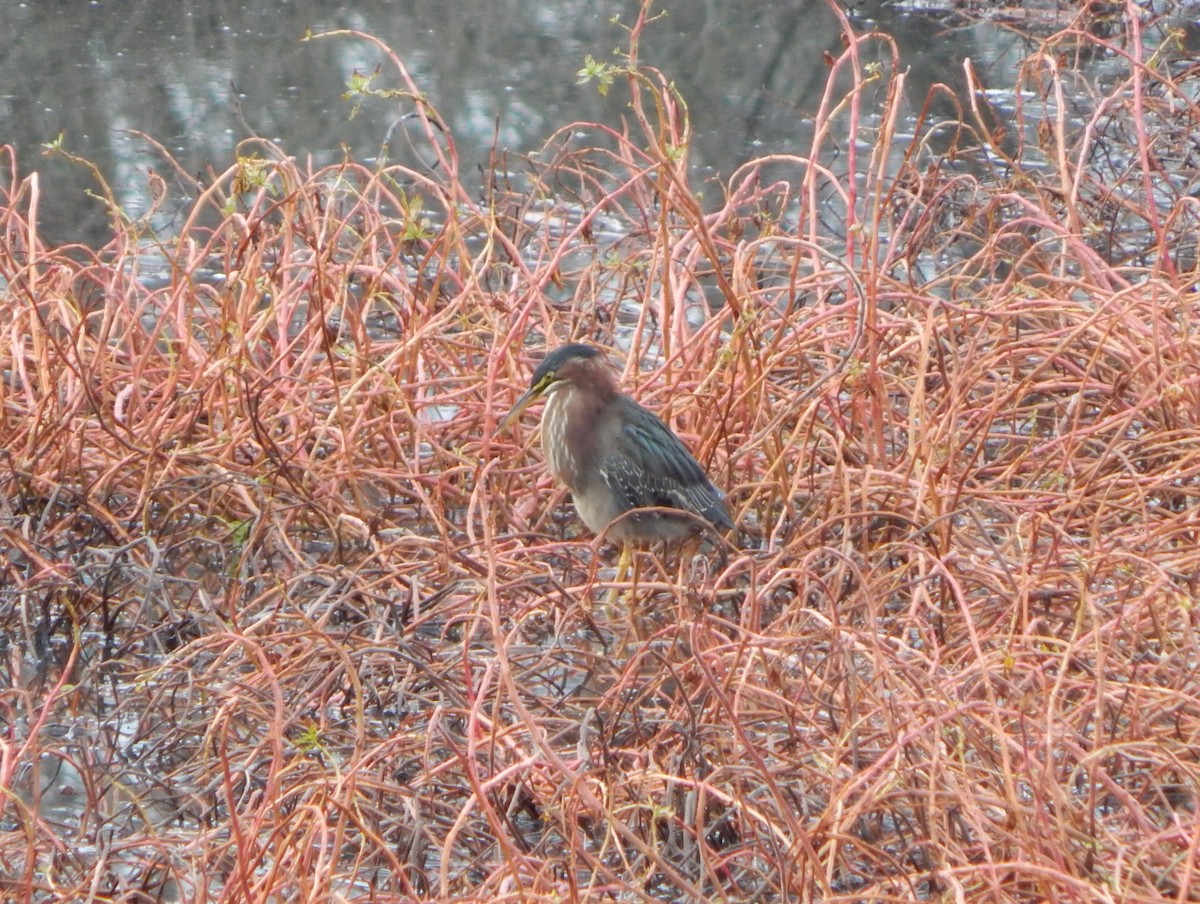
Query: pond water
[200, 77]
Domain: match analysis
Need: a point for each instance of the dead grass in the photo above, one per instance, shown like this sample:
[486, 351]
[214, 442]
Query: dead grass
[284, 619]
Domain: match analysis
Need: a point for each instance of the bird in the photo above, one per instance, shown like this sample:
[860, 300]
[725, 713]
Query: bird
[628, 473]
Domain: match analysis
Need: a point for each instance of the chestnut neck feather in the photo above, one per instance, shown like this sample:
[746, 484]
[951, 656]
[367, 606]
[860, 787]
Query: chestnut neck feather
[588, 389]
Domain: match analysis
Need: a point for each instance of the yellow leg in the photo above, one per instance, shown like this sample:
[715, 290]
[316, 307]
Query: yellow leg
[622, 572]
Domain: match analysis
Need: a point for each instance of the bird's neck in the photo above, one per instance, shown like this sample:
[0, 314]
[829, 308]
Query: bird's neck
[571, 452]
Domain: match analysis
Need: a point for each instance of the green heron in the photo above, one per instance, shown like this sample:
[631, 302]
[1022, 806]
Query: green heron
[615, 456]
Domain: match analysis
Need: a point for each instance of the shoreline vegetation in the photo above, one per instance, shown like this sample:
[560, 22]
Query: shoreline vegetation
[284, 618]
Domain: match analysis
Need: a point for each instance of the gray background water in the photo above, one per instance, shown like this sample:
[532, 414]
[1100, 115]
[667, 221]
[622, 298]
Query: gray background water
[199, 75]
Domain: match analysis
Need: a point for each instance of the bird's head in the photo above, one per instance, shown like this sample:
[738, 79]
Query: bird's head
[579, 366]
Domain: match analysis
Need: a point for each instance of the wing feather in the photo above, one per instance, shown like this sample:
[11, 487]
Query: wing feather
[652, 467]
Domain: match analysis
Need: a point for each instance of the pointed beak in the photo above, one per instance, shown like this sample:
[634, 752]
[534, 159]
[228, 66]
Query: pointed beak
[531, 396]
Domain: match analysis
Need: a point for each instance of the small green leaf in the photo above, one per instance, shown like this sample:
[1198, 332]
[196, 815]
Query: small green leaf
[601, 73]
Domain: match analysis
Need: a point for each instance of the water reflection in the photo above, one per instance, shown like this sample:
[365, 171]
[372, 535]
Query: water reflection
[199, 77]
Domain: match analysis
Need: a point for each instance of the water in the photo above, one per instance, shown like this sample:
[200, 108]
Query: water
[200, 78]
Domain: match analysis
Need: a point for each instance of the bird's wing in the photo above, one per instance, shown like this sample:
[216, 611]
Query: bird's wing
[652, 467]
